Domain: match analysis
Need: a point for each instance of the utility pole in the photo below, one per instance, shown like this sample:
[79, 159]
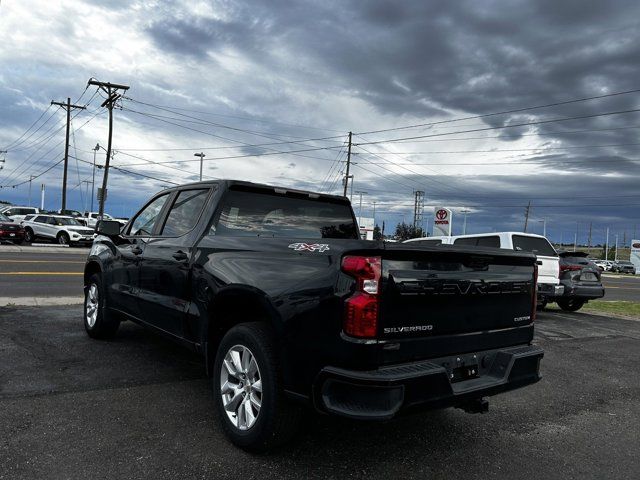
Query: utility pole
[67, 106]
[615, 258]
[111, 89]
[31, 177]
[360, 192]
[346, 175]
[575, 244]
[93, 179]
[590, 228]
[526, 216]
[606, 252]
[201, 155]
[374, 214]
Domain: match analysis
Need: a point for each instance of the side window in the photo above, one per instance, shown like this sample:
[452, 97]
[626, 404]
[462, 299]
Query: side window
[184, 212]
[52, 221]
[493, 241]
[146, 219]
[469, 241]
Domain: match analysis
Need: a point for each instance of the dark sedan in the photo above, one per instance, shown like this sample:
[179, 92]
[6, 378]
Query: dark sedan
[10, 231]
[581, 280]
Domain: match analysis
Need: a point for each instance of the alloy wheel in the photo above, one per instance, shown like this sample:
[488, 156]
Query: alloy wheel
[241, 387]
[92, 304]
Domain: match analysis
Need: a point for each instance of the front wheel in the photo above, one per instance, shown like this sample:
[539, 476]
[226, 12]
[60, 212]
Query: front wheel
[29, 237]
[98, 321]
[249, 400]
[63, 238]
[570, 304]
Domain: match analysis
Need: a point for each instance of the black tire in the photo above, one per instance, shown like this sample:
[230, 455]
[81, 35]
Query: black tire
[63, 238]
[277, 419]
[29, 237]
[105, 324]
[571, 304]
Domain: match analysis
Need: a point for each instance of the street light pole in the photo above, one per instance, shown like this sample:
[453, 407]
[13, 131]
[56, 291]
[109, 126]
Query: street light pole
[201, 155]
[464, 223]
[360, 192]
[615, 259]
[31, 177]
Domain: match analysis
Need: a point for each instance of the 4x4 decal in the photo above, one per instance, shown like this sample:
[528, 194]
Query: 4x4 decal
[309, 247]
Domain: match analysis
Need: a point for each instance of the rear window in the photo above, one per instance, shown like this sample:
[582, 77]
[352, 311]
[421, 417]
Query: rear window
[537, 245]
[492, 241]
[431, 242]
[253, 214]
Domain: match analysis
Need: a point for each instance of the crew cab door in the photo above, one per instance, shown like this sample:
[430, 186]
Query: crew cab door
[124, 282]
[165, 272]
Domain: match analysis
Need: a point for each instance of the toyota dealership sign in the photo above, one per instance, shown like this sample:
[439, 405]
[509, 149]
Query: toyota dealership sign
[635, 254]
[442, 219]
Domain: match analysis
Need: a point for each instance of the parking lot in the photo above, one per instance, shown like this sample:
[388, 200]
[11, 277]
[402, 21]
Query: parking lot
[140, 407]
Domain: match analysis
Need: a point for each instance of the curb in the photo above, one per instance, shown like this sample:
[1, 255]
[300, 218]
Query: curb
[42, 248]
[40, 302]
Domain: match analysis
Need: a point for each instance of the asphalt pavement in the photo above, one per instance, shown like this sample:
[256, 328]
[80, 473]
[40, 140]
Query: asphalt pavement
[48, 275]
[140, 407]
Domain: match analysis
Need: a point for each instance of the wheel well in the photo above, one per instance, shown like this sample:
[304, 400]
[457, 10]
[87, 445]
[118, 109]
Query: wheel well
[90, 269]
[62, 233]
[231, 309]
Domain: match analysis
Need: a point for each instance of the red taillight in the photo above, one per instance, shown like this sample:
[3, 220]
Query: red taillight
[570, 268]
[534, 294]
[361, 309]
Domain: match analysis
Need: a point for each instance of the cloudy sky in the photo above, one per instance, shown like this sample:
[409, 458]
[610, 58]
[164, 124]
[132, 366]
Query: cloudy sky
[415, 81]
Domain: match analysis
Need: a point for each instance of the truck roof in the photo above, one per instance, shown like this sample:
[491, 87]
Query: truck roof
[229, 183]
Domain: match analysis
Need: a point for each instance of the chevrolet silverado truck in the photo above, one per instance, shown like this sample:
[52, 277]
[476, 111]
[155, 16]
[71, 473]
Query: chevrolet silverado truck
[291, 310]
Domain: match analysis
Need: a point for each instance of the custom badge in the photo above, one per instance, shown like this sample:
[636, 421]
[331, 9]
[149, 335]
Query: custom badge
[309, 247]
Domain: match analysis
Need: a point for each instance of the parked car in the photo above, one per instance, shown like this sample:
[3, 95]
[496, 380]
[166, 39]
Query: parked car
[16, 213]
[91, 219]
[581, 279]
[623, 266]
[290, 308]
[10, 231]
[548, 264]
[64, 230]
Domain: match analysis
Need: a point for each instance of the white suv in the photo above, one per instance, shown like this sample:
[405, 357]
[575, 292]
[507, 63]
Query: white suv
[91, 218]
[64, 230]
[16, 213]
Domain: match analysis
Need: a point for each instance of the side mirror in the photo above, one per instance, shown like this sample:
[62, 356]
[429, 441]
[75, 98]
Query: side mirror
[108, 228]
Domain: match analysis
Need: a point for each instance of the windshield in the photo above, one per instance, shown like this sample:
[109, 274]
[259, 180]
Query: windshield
[67, 221]
[4, 218]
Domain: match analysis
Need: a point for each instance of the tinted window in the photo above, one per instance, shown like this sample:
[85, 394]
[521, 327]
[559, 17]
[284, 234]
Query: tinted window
[28, 218]
[470, 241]
[492, 241]
[249, 214]
[4, 218]
[41, 219]
[185, 212]
[537, 245]
[147, 217]
[67, 221]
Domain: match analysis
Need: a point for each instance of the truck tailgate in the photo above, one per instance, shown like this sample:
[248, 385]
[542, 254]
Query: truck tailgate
[451, 290]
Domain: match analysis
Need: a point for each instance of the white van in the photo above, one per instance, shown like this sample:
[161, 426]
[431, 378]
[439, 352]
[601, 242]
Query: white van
[548, 261]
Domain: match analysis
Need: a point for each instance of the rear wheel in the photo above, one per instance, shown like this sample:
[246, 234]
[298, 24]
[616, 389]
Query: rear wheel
[98, 321]
[249, 401]
[571, 304]
[542, 305]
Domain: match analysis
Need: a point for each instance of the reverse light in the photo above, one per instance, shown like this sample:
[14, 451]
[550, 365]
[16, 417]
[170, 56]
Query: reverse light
[361, 309]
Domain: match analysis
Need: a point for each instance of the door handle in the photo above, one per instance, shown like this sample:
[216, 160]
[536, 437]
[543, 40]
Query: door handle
[180, 256]
[136, 250]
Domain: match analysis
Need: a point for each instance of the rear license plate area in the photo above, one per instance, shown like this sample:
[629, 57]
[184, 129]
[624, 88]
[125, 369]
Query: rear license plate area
[588, 277]
[466, 372]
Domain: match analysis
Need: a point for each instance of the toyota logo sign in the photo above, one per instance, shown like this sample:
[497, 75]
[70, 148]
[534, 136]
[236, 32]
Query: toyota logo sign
[441, 214]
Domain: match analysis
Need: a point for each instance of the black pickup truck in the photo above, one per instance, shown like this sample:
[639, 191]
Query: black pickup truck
[290, 308]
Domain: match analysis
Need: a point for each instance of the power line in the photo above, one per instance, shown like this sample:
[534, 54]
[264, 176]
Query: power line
[522, 124]
[504, 112]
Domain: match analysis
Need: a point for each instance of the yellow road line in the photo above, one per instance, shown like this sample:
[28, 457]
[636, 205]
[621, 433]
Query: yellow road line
[38, 261]
[41, 273]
